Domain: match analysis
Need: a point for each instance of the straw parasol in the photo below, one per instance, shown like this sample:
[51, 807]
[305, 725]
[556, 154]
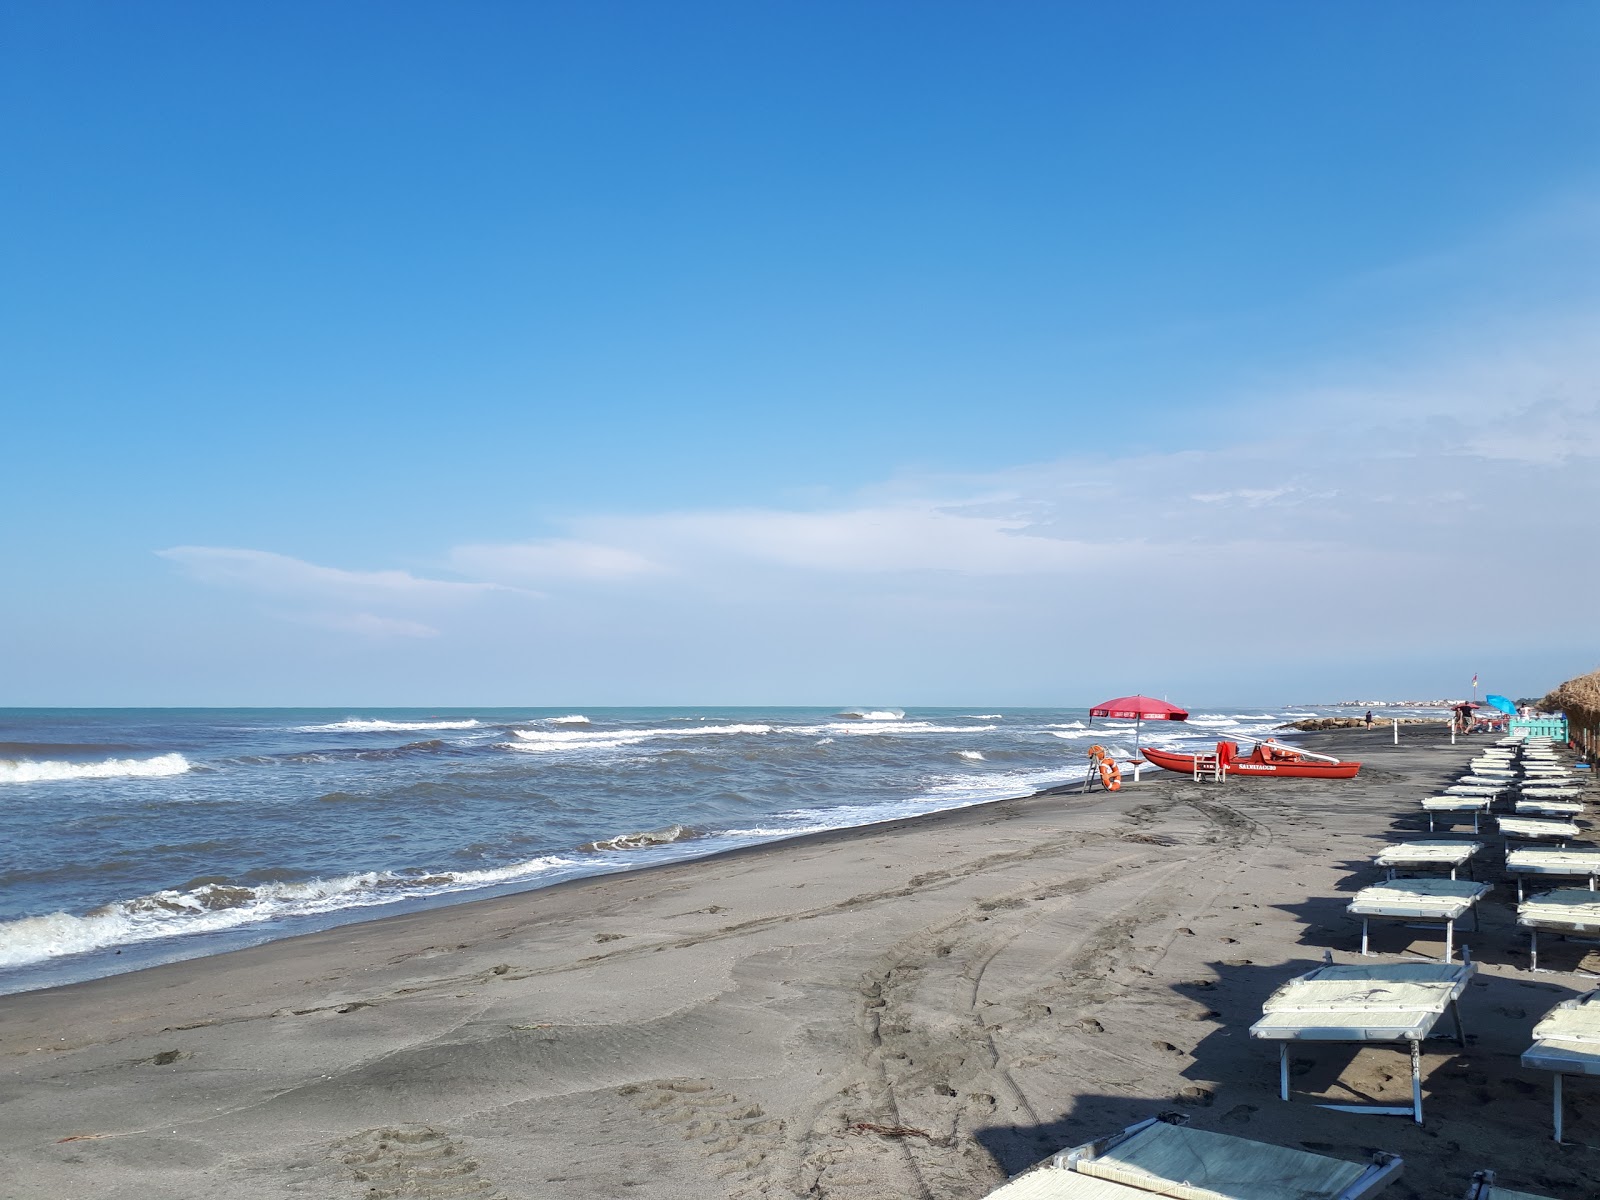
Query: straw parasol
[1580, 699]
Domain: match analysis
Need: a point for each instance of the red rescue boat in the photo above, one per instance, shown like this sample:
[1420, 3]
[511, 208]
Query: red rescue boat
[1267, 759]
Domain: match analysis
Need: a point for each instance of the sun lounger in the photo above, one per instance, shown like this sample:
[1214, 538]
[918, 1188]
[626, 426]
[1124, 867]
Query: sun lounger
[1440, 902]
[1161, 1157]
[1434, 806]
[1378, 1002]
[1402, 856]
[1492, 782]
[1582, 861]
[1485, 1188]
[1549, 806]
[1569, 911]
[1537, 829]
[1476, 789]
[1567, 1042]
[1551, 790]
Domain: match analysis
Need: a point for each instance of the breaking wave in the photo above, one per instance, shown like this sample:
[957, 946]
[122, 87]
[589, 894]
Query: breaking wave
[26, 771]
[211, 907]
[574, 719]
[872, 714]
[615, 739]
[363, 725]
[974, 755]
[646, 839]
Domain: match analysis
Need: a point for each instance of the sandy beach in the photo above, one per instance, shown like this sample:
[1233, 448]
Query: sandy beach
[918, 1009]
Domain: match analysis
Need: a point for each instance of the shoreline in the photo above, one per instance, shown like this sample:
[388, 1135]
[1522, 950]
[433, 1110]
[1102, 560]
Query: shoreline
[735, 1024]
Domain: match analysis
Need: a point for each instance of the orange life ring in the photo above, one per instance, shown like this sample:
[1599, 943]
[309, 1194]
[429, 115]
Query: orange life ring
[1110, 777]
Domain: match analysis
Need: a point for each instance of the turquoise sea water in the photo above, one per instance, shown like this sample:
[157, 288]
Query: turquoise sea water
[133, 836]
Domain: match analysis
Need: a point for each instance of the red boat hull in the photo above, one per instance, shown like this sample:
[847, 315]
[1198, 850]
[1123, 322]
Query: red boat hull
[1254, 766]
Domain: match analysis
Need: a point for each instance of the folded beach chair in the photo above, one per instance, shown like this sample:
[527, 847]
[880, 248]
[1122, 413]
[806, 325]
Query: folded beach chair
[1567, 1042]
[1161, 1157]
[1580, 861]
[1380, 1002]
[1569, 912]
[1425, 852]
[1440, 902]
[1485, 1188]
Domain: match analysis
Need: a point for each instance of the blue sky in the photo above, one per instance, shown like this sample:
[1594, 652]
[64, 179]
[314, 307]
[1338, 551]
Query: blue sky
[796, 353]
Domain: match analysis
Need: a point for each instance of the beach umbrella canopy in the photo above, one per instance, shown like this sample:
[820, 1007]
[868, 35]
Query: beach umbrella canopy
[1504, 705]
[1139, 708]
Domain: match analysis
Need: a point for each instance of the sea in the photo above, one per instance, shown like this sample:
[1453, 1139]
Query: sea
[130, 837]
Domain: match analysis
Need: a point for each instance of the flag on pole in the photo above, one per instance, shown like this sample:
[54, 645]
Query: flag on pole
[1474, 679]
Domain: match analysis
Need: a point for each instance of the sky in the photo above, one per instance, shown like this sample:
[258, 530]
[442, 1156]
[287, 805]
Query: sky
[497, 353]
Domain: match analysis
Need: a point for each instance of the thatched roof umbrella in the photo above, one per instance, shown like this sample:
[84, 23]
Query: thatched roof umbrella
[1580, 699]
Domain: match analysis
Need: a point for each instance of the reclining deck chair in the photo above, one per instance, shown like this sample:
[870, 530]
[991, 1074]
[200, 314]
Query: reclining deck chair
[1160, 1157]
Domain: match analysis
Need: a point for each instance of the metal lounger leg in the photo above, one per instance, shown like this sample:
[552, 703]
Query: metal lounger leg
[1416, 1082]
[1365, 921]
[1461, 1030]
[1283, 1072]
[1533, 949]
[1519, 889]
[1558, 1108]
[1449, 940]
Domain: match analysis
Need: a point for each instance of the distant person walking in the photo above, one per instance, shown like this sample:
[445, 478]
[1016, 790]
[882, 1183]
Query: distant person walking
[1369, 718]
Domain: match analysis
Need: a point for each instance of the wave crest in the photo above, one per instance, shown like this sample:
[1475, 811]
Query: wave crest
[28, 771]
[645, 839]
[364, 725]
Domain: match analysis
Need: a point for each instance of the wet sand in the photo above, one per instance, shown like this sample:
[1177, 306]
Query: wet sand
[920, 1009]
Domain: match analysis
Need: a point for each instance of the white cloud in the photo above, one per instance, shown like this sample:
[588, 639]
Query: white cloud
[328, 597]
[552, 558]
[278, 574]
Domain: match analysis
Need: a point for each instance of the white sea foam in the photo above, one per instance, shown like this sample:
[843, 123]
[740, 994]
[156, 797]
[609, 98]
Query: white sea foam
[1068, 725]
[28, 771]
[984, 717]
[974, 755]
[574, 719]
[616, 739]
[883, 728]
[215, 907]
[364, 725]
[873, 714]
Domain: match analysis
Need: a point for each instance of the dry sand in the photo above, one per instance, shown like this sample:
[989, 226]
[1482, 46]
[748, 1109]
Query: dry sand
[988, 985]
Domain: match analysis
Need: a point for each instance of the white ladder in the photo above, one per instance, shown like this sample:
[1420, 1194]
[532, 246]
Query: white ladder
[1209, 767]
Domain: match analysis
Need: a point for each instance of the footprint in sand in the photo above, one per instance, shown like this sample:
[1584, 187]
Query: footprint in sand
[734, 1134]
[413, 1162]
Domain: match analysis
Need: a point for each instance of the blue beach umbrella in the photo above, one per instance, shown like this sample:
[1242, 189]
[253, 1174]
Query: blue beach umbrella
[1504, 705]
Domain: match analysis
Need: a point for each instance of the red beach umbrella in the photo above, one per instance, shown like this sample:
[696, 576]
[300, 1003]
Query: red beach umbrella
[1138, 709]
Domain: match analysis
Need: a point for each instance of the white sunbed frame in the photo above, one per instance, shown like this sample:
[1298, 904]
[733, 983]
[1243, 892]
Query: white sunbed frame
[1430, 903]
[1410, 1025]
[1476, 805]
[1047, 1181]
[1583, 922]
[1570, 1057]
[1401, 856]
[1578, 863]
